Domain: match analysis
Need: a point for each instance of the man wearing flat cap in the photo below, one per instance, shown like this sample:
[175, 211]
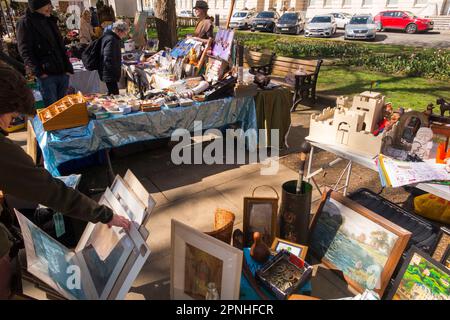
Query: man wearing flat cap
[42, 49]
[204, 29]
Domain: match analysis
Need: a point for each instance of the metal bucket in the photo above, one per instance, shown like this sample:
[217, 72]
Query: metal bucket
[295, 212]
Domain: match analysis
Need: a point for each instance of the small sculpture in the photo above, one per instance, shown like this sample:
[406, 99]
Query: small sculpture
[445, 106]
[259, 250]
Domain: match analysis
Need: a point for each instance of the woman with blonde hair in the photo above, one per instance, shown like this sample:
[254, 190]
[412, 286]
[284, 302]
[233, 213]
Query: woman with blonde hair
[86, 30]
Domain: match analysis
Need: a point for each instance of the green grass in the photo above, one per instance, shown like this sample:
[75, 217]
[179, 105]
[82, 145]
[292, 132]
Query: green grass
[407, 92]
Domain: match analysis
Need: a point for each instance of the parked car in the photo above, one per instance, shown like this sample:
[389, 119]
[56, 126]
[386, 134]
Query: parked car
[265, 21]
[241, 20]
[361, 27]
[186, 13]
[402, 20]
[341, 19]
[290, 22]
[321, 26]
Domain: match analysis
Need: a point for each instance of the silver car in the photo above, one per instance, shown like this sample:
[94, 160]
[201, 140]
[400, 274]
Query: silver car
[361, 27]
[321, 26]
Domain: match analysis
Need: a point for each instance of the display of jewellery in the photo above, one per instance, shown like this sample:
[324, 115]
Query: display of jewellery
[284, 274]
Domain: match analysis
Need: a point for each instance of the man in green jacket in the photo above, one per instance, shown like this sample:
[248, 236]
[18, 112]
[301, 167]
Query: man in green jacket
[19, 177]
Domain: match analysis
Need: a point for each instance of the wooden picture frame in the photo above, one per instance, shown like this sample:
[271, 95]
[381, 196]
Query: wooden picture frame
[419, 290]
[194, 252]
[441, 244]
[446, 258]
[372, 245]
[266, 225]
[303, 250]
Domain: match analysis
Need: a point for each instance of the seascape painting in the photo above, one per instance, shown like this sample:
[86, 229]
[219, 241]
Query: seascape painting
[352, 243]
[422, 280]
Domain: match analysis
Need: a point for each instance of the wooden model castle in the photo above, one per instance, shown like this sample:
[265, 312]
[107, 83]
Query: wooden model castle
[351, 124]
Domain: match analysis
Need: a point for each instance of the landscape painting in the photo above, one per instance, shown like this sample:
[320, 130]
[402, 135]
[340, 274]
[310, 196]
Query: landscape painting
[352, 243]
[201, 268]
[422, 279]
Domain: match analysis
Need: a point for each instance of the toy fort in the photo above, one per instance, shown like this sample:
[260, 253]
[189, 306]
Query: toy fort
[69, 112]
[350, 124]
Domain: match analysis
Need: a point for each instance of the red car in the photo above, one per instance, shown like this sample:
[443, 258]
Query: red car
[403, 20]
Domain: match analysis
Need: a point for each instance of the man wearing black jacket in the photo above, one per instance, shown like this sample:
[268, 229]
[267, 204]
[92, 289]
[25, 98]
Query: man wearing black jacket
[111, 57]
[42, 49]
[19, 177]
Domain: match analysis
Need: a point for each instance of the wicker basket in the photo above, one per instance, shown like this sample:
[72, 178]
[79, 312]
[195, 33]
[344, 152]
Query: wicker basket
[223, 225]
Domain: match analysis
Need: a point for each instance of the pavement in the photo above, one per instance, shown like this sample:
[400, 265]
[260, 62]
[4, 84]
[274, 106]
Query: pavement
[432, 39]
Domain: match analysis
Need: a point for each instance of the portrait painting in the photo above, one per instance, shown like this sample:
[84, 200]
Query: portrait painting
[260, 216]
[356, 241]
[421, 278]
[198, 259]
[201, 269]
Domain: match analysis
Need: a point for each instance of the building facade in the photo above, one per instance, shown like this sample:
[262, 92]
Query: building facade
[222, 7]
[419, 7]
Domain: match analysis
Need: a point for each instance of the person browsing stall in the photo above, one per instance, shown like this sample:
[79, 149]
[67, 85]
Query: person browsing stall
[86, 29]
[42, 48]
[22, 179]
[111, 56]
[204, 28]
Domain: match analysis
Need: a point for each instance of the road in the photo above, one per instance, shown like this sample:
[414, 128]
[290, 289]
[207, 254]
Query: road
[433, 39]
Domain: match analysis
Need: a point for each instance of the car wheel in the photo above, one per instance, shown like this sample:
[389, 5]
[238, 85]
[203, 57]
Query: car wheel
[245, 26]
[411, 28]
[379, 26]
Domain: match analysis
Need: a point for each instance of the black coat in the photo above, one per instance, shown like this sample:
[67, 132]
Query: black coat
[41, 45]
[111, 57]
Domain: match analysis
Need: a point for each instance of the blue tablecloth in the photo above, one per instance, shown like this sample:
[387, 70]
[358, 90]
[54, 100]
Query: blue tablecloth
[61, 146]
[246, 290]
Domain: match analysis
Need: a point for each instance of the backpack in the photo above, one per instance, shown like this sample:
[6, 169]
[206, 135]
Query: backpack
[91, 56]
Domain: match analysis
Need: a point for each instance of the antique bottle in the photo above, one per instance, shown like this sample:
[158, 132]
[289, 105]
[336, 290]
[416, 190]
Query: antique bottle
[212, 293]
[259, 250]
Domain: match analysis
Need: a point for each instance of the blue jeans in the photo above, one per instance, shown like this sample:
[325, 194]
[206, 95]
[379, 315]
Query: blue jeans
[53, 88]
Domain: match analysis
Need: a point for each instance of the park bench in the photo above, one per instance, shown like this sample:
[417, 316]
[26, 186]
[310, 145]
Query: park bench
[304, 72]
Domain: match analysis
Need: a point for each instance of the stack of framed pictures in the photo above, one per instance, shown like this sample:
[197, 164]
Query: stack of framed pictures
[106, 260]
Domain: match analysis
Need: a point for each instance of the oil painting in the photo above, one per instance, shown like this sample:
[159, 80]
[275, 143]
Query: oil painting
[201, 269]
[421, 278]
[355, 243]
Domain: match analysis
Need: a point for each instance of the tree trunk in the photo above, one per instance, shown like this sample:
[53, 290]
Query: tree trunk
[166, 23]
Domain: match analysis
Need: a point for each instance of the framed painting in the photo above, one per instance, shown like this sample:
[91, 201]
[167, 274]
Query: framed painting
[442, 243]
[260, 215]
[446, 258]
[421, 278]
[294, 248]
[198, 260]
[348, 237]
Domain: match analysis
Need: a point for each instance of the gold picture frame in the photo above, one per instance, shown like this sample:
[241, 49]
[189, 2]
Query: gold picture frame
[279, 244]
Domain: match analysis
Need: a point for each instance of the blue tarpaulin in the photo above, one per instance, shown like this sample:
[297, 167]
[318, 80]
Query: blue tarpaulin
[61, 146]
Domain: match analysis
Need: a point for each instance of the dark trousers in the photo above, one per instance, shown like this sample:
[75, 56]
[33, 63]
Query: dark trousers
[113, 88]
[53, 88]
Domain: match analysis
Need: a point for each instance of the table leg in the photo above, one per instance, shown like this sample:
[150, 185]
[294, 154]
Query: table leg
[347, 180]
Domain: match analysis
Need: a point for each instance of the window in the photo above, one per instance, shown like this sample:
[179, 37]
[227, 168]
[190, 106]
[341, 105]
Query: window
[217, 4]
[327, 3]
[392, 3]
[420, 3]
[346, 3]
[367, 3]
